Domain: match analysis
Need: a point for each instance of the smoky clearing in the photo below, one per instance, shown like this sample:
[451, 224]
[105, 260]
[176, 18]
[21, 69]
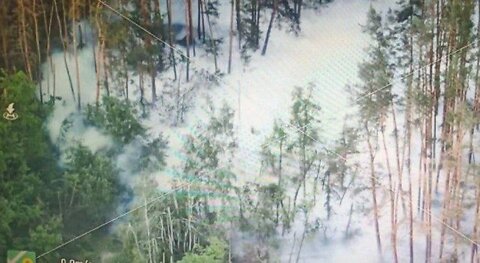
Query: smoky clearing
[239, 131]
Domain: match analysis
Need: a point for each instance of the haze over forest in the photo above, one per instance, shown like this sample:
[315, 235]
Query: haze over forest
[240, 131]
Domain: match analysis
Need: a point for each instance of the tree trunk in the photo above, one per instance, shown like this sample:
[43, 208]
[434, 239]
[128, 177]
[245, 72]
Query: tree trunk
[190, 26]
[125, 70]
[188, 36]
[374, 191]
[230, 49]
[199, 19]
[48, 30]
[474, 250]
[97, 76]
[408, 140]
[270, 24]
[63, 39]
[75, 54]
[4, 36]
[391, 191]
[147, 224]
[399, 163]
[257, 24]
[98, 56]
[202, 11]
[24, 40]
[141, 86]
[106, 68]
[170, 37]
[303, 238]
[212, 39]
[39, 54]
[280, 166]
[239, 22]
[170, 237]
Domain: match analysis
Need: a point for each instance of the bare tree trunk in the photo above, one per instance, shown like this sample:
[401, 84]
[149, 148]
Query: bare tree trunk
[399, 163]
[293, 247]
[230, 49]
[429, 137]
[474, 250]
[106, 68]
[178, 101]
[64, 19]
[299, 11]
[199, 19]
[63, 39]
[39, 54]
[239, 22]
[75, 54]
[407, 144]
[190, 213]
[170, 38]
[188, 37]
[347, 229]
[135, 238]
[374, 191]
[97, 76]
[24, 40]
[393, 220]
[157, 15]
[428, 174]
[98, 55]
[202, 11]
[476, 103]
[4, 36]
[270, 24]
[446, 205]
[447, 136]
[141, 86]
[125, 70]
[147, 224]
[257, 23]
[154, 86]
[303, 238]
[212, 39]
[190, 26]
[171, 234]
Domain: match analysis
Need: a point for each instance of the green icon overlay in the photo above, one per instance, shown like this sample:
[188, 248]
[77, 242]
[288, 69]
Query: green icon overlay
[16, 256]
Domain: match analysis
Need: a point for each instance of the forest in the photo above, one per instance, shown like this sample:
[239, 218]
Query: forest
[135, 142]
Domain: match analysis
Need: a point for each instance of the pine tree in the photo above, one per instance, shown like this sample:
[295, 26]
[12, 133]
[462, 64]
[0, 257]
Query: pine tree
[273, 158]
[304, 122]
[210, 153]
[374, 100]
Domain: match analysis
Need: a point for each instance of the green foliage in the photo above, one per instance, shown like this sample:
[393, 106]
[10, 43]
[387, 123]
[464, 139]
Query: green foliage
[268, 197]
[26, 134]
[305, 122]
[301, 145]
[151, 155]
[215, 252]
[26, 169]
[273, 147]
[210, 152]
[258, 219]
[128, 252]
[305, 115]
[116, 117]
[180, 210]
[47, 235]
[91, 188]
[375, 95]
